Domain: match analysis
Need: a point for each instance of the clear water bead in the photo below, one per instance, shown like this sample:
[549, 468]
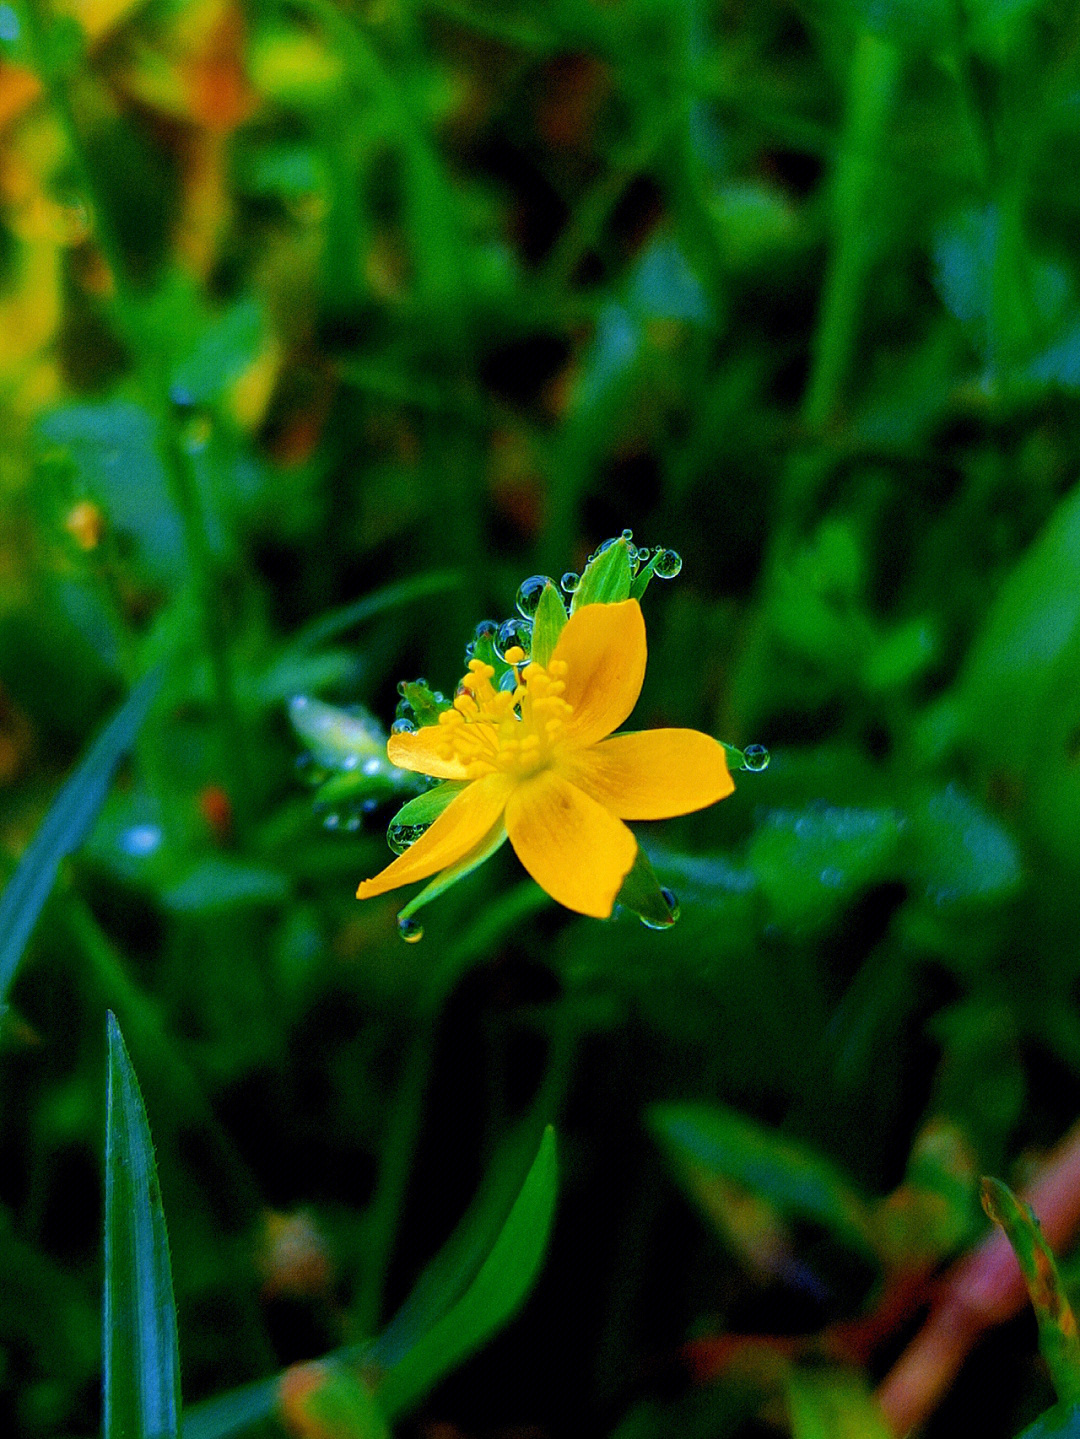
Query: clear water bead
[411, 930]
[570, 581]
[514, 631]
[400, 836]
[673, 911]
[668, 564]
[528, 595]
[755, 758]
[403, 726]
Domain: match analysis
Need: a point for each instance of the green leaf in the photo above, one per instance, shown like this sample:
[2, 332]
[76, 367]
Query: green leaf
[833, 1405]
[1060, 1422]
[217, 882]
[641, 893]
[548, 624]
[704, 1142]
[491, 1298]
[959, 853]
[606, 578]
[811, 862]
[66, 825]
[1019, 694]
[427, 807]
[221, 352]
[475, 857]
[336, 738]
[1058, 1339]
[141, 1359]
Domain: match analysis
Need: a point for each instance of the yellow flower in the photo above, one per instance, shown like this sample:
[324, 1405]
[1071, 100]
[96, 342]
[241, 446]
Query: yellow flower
[540, 768]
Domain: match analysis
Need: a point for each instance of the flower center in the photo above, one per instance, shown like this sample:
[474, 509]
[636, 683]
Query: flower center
[514, 731]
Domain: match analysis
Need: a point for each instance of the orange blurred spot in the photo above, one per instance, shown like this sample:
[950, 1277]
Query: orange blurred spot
[295, 1389]
[19, 88]
[293, 1256]
[84, 522]
[216, 809]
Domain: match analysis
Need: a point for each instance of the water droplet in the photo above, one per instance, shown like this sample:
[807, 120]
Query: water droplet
[628, 535]
[331, 820]
[352, 824]
[369, 806]
[140, 840]
[514, 631]
[509, 680]
[673, 912]
[181, 397]
[411, 930]
[403, 726]
[570, 581]
[404, 711]
[486, 630]
[470, 651]
[755, 758]
[372, 765]
[400, 836]
[529, 592]
[668, 564]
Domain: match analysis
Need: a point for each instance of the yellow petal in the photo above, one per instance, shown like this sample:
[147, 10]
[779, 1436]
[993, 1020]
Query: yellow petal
[417, 751]
[651, 775]
[604, 650]
[464, 822]
[573, 847]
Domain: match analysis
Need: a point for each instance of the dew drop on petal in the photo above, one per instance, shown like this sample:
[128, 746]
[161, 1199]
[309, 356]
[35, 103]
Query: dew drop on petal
[668, 564]
[486, 630]
[570, 581]
[529, 592]
[411, 930]
[403, 726]
[755, 758]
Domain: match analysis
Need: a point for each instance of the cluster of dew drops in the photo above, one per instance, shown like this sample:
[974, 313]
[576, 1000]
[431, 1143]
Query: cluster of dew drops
[516, 632]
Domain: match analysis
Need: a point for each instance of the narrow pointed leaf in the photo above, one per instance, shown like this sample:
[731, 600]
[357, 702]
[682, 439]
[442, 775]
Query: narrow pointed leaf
[66, 825]
[548, 624]
[427, 807]
[476, 856]
[141, 1360]
[606, 579]
[1058, 1339]
[491, 1299]
[641, 893]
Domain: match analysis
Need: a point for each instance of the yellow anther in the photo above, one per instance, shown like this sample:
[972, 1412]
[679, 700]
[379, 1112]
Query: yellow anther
[514, 655]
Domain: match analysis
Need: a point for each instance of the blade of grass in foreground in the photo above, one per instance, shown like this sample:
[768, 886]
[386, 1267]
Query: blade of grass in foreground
[66, 825]
[404, 592]
[141, 1360]
[471, 1289]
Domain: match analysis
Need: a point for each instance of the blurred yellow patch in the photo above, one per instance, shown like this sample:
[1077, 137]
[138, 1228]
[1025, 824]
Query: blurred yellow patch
[292, 67]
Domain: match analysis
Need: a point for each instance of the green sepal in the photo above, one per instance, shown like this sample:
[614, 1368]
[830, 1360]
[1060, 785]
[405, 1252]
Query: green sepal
[607, 577]
[1058, 1339]
[641, 893]
[427, 706]
[485, 650]
[548, 624]
[465, 865]
[427, 807]
[641, 580]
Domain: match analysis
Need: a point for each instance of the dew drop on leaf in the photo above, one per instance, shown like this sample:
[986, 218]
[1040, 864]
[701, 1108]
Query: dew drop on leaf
[528, 595]
[411, 930]
[668, 564]
[755, 758]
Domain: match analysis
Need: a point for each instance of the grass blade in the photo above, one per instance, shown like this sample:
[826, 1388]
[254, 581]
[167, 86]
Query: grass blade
[66, 825]
[491, 1299]
[141, 1360]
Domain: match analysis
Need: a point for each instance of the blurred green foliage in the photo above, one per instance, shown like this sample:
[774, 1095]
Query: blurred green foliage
[323, 323]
